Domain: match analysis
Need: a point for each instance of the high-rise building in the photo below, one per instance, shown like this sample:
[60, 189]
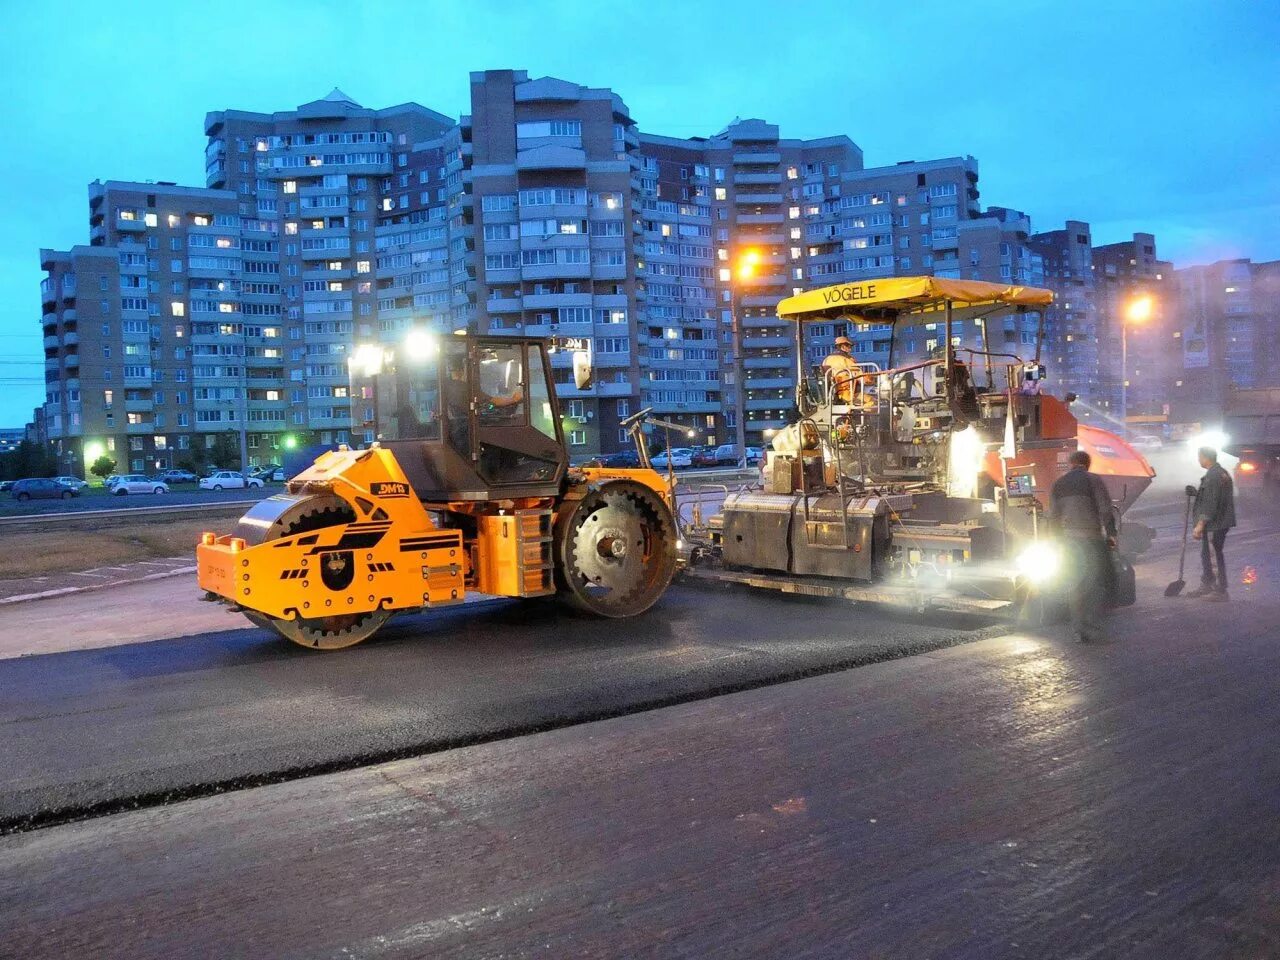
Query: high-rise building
[1071, 321]
[1136, 354]
[230, 311]
[1228, 319]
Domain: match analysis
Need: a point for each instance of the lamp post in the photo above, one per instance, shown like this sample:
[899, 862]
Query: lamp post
[1136, 311]
[746, 267]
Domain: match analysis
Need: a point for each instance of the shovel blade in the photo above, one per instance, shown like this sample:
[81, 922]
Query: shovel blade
[1175, 588]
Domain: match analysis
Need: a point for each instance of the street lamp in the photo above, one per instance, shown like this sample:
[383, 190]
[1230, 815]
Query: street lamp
[747, 263]
[1136, 311]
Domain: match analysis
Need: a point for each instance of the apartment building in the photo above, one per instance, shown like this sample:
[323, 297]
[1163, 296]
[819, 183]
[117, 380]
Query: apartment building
[1137, 358]
[710, 204]
[1228, 318]
[1071, 321]
[543, 211]
[133, 318]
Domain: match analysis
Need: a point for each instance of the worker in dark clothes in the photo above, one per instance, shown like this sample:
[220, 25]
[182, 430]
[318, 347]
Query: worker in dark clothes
[1215, 510]
[1080, 512]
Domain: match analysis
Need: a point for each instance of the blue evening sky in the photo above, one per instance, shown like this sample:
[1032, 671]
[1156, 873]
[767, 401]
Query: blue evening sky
[1158, 116]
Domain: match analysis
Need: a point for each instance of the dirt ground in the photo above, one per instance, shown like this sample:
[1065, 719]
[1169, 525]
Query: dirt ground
[63, 550]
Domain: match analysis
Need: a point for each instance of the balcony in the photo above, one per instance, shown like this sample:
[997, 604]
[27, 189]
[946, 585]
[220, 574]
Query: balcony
[767, 363]
[756, 199]
[71, 361]
[69, 339]
[747, 219]
[748, 159]
[146, 428]
[749, 179]
[504, 305]
[51, 343]
[130, 226]
[760, 300]
[556, 271]
[139, 406]
[770, 383]
[750, 343]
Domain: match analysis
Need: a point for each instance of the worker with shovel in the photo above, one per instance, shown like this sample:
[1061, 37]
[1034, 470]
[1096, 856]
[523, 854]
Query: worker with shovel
[1215, 514]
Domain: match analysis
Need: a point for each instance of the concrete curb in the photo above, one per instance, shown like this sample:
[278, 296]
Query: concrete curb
[65, 591]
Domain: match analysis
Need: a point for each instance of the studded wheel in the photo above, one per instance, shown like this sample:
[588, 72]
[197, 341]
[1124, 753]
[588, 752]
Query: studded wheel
[616, 550]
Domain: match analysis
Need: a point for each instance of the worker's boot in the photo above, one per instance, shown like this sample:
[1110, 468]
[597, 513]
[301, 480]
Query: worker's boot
[1218, 596]
[1202, 591]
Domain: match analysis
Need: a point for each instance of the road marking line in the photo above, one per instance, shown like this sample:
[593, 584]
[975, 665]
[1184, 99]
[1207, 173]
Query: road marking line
[87, 573]
[63, 591]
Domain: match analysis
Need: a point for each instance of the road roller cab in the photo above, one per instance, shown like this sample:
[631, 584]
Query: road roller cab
[468, 488]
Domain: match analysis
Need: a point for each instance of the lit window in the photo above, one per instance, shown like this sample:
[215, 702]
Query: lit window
[362, 266]
[226, 308]
[793, 213]
[152, 220]
[795, 253]
[335, 264]
[335, 286]
[224, 243]
[291, 229]
[724, 275]
[721, 193]
[201, 219]
[792, 173]
[317, 224]
[173, 219]
[666, 229]
[178, 308]
[795, 233]
[290, 186]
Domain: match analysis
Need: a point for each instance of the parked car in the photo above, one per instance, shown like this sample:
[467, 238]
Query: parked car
[623, 459]
[727, 455]
[111, 480]
[6, 485]
[179, 476]
[41, 488]
[138, 483]
[266, 471]
[228, 480]
[704, 456]
[1146, 442]
[278, 475]
[75, 483]
[676, 457]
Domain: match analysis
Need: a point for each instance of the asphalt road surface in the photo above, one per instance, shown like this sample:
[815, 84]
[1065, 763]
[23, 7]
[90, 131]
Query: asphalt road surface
[1020, 795]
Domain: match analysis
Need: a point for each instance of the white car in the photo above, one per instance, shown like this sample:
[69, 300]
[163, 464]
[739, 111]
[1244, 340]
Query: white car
[137, 483]
[676, 456]
[228, 480]
[75, 483]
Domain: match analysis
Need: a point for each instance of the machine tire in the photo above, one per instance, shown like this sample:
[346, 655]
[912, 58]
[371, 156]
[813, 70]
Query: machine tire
[217, 487]
[67, 494]
[615, 550]
[23, 497]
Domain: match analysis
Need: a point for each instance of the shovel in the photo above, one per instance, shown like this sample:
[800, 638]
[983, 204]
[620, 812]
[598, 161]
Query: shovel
[1175, 588]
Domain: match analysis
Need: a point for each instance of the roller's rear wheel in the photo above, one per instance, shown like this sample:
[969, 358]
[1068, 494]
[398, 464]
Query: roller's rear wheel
[287, 515]
[616, 550]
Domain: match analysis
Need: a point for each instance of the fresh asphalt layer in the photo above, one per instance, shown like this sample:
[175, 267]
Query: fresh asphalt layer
[96, 731]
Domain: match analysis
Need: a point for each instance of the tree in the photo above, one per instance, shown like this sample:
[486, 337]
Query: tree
[28, 460]
[103, 467]
[225, 453]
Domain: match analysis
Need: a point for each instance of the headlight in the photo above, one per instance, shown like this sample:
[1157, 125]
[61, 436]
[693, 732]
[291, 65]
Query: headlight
[1039, 562]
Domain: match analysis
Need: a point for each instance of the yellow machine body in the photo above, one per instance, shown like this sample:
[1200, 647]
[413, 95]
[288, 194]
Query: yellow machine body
[393, 553]
[399, 559]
